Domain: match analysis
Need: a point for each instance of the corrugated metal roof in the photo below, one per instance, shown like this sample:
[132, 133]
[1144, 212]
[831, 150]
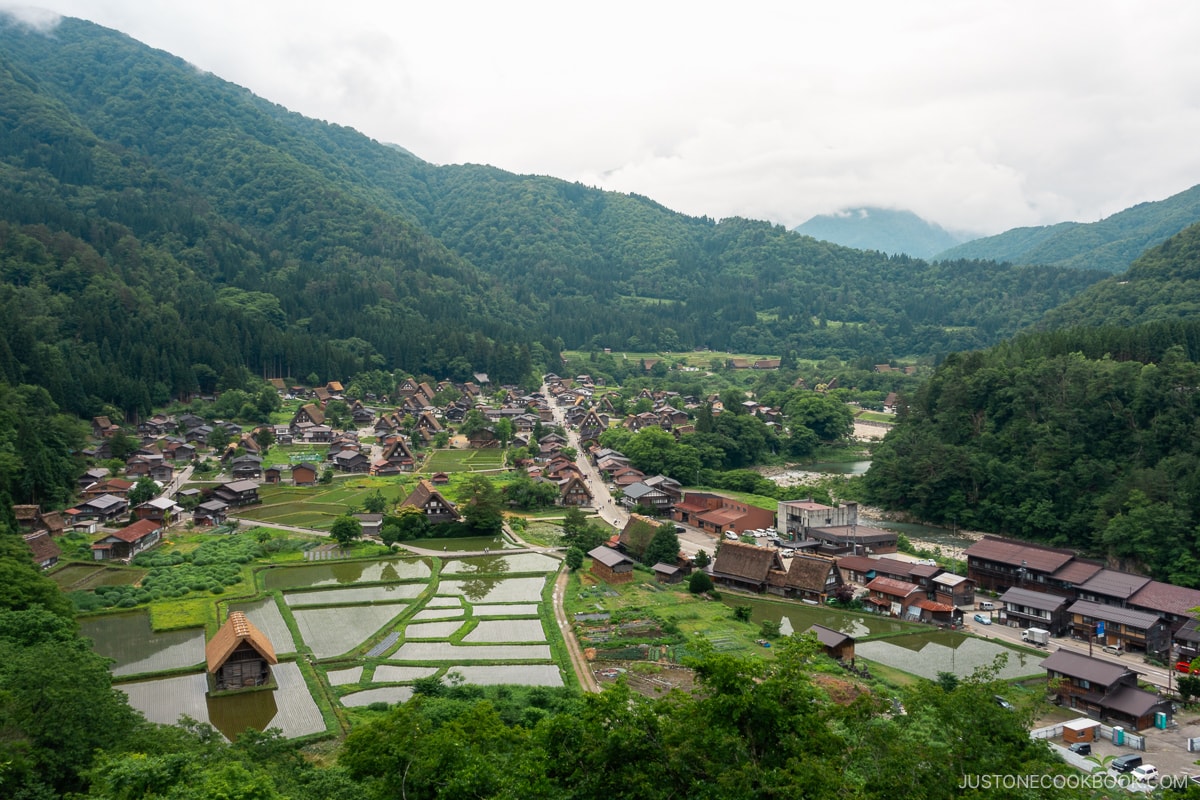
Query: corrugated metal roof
[1018, 554]
[1113, 583]
[1039, 600]
[1077, 665]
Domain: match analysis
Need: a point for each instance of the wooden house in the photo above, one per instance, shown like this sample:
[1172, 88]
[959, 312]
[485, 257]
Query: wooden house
[240, 656]
[45, 551]
[1103, 689]
[126, 543]
[745, 566]
[808, 577]
[837, 645]
[611, 566]
[304, 475]
[430, 501]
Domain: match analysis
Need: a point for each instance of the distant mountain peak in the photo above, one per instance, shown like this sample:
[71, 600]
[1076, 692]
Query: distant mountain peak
[888, 230]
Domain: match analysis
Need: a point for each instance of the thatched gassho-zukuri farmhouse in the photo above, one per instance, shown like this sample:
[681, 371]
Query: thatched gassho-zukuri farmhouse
[239, 656]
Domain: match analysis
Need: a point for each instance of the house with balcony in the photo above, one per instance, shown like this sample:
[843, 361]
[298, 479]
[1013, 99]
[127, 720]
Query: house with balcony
[1037, 610]
[1103, 689]
[1112, 626]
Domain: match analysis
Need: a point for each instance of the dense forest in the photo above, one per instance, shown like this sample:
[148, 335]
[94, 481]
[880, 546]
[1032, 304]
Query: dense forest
[1087, 438]
[159, 226]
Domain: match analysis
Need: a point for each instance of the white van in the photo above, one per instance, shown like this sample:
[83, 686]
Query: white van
[987, 605]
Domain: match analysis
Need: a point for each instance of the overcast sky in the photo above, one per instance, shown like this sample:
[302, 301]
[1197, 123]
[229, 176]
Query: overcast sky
[979, 116]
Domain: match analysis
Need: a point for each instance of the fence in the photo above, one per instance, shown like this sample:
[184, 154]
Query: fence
[1131, 740]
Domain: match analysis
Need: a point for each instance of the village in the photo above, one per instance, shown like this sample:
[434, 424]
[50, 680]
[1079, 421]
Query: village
[1142, 631]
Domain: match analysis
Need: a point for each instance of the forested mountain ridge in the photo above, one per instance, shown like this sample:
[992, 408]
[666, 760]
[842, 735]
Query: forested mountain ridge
[1110, 244]
[1086, 438]
[1162, 285]
[303, 247]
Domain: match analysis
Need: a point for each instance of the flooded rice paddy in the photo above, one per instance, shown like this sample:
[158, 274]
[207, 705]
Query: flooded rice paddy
[289, 707]
[431, 630]
[397, 592]
[507, 630]
[264, 614]
[507, 610]
[384, 694]
[445, 651]
[526, 675]
[495, 564]
[496, 590]
[333, 573]
[334, 631]
[390, 673]
[135, 648]
[341, 677]
[926, 654]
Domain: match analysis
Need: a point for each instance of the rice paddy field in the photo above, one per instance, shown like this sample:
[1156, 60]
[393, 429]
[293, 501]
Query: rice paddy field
[401, 620]
[464, 460]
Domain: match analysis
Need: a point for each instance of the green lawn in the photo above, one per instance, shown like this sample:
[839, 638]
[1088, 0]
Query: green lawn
[464, 460]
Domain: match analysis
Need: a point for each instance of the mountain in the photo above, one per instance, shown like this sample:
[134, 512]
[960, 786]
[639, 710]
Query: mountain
[883, 229]
[1162, 285]
[1109, 245]
[163, 230]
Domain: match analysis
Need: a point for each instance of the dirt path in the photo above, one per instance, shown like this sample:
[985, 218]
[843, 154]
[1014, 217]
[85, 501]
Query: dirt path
[587, 681]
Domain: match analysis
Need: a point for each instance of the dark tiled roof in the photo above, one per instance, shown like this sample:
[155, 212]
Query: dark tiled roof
[1123, 616]
[609, 557]
[1132, 701]
[1014, 553]
[1039, 600]
[1113, 583]
[1077, 571]
[1167, 598]
[830, 637]
[1077, 665]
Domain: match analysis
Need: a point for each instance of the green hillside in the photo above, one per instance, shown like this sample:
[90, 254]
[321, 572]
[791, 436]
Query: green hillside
[1109, 245]
[202, 228]
[1083, 437]
[1162, 285]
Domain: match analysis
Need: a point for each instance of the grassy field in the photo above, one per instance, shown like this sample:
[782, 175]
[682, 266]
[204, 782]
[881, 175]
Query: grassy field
[464, 460]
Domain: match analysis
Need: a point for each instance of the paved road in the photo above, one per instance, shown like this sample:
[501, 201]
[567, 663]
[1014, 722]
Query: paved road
[1160, 677]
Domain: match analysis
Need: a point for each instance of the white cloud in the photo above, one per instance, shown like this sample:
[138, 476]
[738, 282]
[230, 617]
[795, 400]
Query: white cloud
[979, 116]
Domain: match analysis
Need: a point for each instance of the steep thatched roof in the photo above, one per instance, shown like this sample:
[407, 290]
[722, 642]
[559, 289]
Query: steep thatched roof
[237, 629]
[808, 573]
[746, 562]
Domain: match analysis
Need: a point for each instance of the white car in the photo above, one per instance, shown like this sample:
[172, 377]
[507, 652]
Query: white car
[1146, 773]
[731, 536]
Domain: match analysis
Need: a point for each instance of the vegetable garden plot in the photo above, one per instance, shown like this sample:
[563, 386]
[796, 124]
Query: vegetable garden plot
[444, 651]
[341, 677]
[333, 631]
[390, 673]
[516, 562]
[432, 630]
[264, 615]
[344, 572]
[524, 674]
[511, 610]
[507, 630]
[507, 590]
[129, 640]
[359, 594]
[384, 694]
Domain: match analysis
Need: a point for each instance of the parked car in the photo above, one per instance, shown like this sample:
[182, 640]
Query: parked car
[1000, 701]
[982, 620]
[1125, 763]
[1081, 748]
[1146, 773]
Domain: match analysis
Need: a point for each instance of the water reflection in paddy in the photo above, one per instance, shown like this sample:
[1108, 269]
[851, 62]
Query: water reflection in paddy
[330, 573]
[130, 641]
[798, 617]
[926, 654]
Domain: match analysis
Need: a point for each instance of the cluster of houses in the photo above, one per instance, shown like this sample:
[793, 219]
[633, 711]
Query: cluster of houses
[1057, 590]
